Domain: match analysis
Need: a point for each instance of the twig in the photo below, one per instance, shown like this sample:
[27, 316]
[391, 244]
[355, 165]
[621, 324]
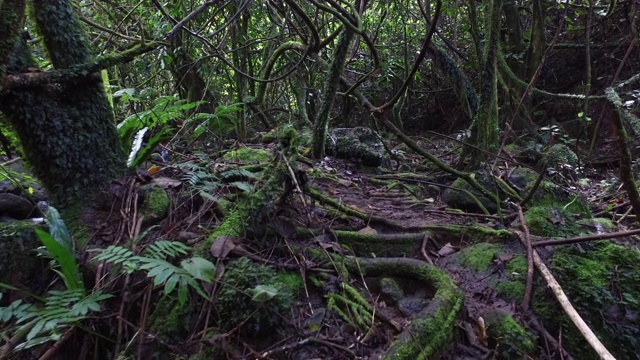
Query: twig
[526, 240]
[586, 238]
[571, 312]
[295, 182]
[425, 241]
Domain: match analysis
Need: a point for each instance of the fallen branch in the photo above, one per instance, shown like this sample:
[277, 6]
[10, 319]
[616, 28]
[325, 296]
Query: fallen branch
[571, 312]
[526, 240]
[579, 239]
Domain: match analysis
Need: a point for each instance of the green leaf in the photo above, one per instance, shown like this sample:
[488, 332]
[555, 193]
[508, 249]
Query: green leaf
[64, 258]
[58, 229]
[170, 285]
[199, 268]
[262, 293]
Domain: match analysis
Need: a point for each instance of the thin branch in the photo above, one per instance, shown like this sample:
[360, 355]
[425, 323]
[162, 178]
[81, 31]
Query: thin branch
[571, 312]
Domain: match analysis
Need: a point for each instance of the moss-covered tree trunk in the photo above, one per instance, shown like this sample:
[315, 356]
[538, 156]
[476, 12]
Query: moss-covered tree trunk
[330, 91]
[66, 129]
[484, 129]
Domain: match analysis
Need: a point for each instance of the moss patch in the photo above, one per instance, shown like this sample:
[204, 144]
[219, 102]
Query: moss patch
[156, 202]
[248, 155]
[170, 320]
[549, 194]
[509, 338]
[603, 283]
[478, 257]
[551, 222]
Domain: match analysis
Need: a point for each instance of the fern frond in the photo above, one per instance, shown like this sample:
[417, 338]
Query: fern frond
[165, 249]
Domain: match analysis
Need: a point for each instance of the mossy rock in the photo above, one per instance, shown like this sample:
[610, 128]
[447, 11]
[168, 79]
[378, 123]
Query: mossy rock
[603, 282]
[551, 221]
[521, 177]
[155, 204]
[551, 195]
[358, 143]
[510, 339]
[19, 264]
[248, 155]
[461, 200]
[560, 158]
[597, 225]
[478, 257]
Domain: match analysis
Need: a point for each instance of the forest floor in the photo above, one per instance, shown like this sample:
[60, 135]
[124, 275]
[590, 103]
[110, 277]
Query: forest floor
[399, 203]
[402, 201]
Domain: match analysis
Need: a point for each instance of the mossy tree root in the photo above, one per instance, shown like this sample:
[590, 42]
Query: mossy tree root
[432, 329]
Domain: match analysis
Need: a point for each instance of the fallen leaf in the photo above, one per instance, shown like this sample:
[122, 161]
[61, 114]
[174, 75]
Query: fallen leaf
[367, 230]
[166, 182]
[447, 249]
[222, 246]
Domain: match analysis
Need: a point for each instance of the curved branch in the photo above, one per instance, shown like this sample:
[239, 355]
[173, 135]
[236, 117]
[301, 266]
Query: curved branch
[314, 45]
[416, 64]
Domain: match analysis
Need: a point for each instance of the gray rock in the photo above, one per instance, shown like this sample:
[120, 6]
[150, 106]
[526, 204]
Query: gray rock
[15, 206]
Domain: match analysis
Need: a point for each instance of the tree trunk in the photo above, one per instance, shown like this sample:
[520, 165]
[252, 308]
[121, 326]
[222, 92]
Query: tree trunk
[329, 92]
[66, 129]
[484, 129]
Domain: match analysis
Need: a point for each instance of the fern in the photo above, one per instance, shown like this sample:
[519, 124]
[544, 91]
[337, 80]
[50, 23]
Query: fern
[164, 249]
[42, 324]
[156, 119]
[163, 272]
[221, 122]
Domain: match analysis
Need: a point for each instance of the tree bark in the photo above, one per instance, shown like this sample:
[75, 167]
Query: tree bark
[66, 129]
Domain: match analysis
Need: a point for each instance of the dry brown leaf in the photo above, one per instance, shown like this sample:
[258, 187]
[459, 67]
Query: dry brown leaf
[166, 182]
[222, 246]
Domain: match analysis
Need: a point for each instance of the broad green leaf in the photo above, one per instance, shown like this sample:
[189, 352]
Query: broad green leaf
[64, 258]
[262, 293]
[199, 268]
[58, 229]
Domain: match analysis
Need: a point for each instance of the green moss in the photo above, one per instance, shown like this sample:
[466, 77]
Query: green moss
[559, 156]
[551, 195]
[598, 225]
[478, 257]
[235, 303]
[550, 222]
[170, 320]
[248, 155]
[518, 265]
[511, 340]
[352, 307]
[516, 271]
[462, 200]
[511, 289]
[603, 283]
[156, 202]
[233, 223]
[291, 280]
